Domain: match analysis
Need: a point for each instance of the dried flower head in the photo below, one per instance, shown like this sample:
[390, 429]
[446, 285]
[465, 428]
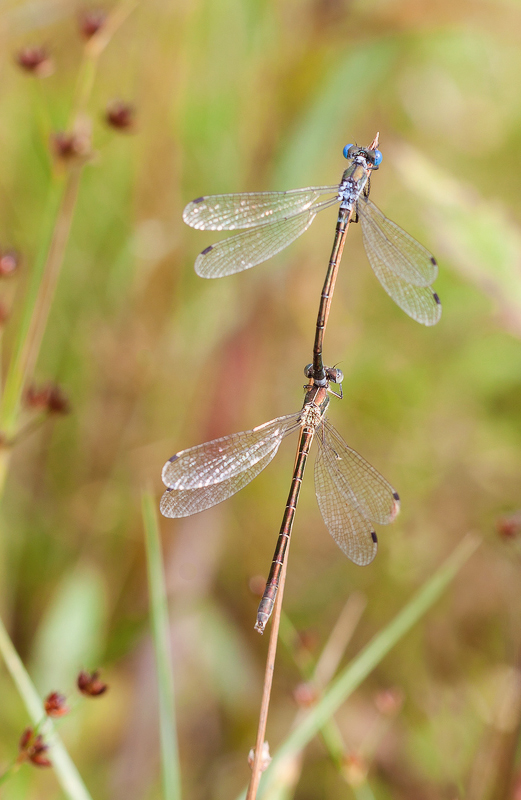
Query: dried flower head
[355, 769]
[36, 60]
[120, 115]
[389, 701]
[90, 685]
[509, 527]
[48, 398]
[91, 21]
[69, 146]
[55, 705]
[305, 695]
[9, 262]
[32, 748]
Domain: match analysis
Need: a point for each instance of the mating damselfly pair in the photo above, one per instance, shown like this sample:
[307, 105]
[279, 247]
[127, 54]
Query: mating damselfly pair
[352, 495]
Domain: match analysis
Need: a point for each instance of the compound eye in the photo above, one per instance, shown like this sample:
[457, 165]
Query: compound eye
[377, 157]
[335, 375]
[308, 371]
[347, 150]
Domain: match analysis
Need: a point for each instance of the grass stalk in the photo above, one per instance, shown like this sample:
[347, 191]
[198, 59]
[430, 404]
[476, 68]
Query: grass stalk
[257, 766]
[171, 772]
[369, 658]
[65, 769]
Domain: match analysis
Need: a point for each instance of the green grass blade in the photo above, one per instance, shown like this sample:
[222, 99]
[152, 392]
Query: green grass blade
[65, 769]
[160, 631]
[361, 666]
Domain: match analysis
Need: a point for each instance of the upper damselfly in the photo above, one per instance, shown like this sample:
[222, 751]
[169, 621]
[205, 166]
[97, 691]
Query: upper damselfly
[351, 494]
[403, 266]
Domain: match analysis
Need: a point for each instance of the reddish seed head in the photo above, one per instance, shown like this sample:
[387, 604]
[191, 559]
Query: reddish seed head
[305, 695]
[256, 585]
[32, 748]
[91, 21]
[68, 146]
[35, 60]
[120, 115]
[47, 398]
[90, 685]
[509, 527]
[54, 705]
[9, 262]
[389, 701]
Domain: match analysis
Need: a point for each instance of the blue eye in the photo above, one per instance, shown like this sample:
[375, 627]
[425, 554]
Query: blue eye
[377, 158]
[346, 150]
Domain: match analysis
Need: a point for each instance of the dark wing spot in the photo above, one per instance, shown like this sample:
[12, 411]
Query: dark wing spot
[174, 458]
[396, 495]
[374, 537]
[207, 250]
[198, 200]
[436, 298]
[433, 260]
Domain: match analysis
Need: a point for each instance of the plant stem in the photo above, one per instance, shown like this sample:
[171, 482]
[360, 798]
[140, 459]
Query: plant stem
[65, 769]
[161, 634]
[257, 765]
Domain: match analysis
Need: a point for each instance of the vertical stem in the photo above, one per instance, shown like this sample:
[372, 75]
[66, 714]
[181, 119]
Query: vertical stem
[256, 769]
[161, 634]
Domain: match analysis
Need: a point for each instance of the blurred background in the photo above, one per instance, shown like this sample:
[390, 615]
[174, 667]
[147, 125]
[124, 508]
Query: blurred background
[257, 95]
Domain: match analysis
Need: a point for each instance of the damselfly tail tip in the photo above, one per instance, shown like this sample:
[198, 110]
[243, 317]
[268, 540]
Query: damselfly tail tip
[259, 626]
[374, 537]
[437, 299]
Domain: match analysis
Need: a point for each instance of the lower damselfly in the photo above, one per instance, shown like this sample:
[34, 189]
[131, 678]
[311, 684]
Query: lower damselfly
[352, 495]
[403, 266]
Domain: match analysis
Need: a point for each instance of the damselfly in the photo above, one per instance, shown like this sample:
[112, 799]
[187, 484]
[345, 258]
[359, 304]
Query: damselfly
[351, 494]
[402, 265]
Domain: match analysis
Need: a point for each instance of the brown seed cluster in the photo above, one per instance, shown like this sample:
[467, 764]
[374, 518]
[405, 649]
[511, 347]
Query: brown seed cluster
[90, 684]
[120, 115]
[91, 21]
[32, 748]
[48, 398]
[35, 60]
[55, 705]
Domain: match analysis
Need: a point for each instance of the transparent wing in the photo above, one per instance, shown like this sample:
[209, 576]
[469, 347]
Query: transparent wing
[352, 532]
[227, 458]
[191, 501]
[228, 212]
[252, 247]
[419, 302]
[356, 479]
[402, 254]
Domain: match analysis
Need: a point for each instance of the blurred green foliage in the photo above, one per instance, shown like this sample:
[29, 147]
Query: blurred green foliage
[249, 96]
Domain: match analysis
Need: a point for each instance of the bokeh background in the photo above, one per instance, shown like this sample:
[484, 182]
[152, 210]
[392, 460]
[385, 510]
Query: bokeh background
[261, 95]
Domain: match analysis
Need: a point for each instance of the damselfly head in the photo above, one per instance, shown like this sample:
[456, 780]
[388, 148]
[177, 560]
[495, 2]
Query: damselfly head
[334, 375]
[373, 156]
[308, 371]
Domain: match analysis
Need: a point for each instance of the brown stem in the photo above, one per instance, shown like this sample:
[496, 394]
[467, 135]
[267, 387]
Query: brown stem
[256, 769]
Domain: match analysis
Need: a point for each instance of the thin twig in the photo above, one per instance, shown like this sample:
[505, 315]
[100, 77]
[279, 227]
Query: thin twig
[256, 769]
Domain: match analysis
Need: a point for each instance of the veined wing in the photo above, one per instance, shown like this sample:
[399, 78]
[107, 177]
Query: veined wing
[352, 532]
[419, 302]
[356, 479]
[191, 501]
[228, 212]
[402, 254]
[228, 457]
[245, 250]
